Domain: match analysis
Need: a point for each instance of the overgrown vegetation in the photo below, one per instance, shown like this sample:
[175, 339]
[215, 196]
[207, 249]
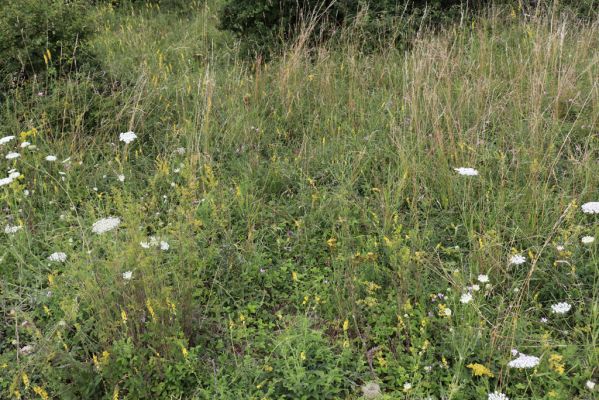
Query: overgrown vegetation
[297, 229]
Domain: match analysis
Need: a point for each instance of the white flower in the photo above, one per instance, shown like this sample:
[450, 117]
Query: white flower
[590, 207]
[447, 312]
[164, 246]
[6, 181]
[543, 320]
[51, 158]
[497, 396]
[483, 278]
[587, 239]
[466, 298]
[127, 137]
[524, 361]
[121, 178]
[145, 245]
[466, 171]
[590, 385]
[25, 144]
[559, 247]
[517, 259]
[371, 390]
[14, 175]
[10, 229]
[155, 242]
[514, 352]
[180, 150]
[12, 155]
[127, 275]
[407, 386]
[58, 257]
[6, 139]
[561, 308]
[475, 288]
[105, 225]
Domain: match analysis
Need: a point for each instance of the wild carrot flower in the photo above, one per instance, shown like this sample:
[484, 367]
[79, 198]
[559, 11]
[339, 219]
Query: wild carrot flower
[127, 137]
[590, 385]
[12, 155]
[105, 224]
[466, 171]
[58, 257]
[561, 308]
[11, 229]
[590, 207]
[6, 139]
[51, 158]
[587, 239]
[517, 259]
[127, 275]
[497, 396]
[523, 361]
[483, 278]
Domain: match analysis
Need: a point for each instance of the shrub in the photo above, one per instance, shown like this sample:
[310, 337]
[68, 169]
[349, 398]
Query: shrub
[36, 36]
[261, 23]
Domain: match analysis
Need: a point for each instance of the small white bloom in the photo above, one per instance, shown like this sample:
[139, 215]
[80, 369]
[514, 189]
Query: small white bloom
[475, 288]
[127, 275]
[12, 155]
[543, 320]
[466, 298]
[447, 312]
[145, 245]
[6, 181]
[590, 385]
[105, 225]
[180, 150]
[164, 246]
[14, 175]
[524, 361]
[51, 158]
[590, 207]
[483, 278]
[559, 247]
[407, 386]
[121, 178]
[561, 308]
[10, 229]
[517, 259]
[497, 396]
[127, 137]
[25, 144]
[6, 139]
[58, 257]
[587, 239]
[466, 171]
[514, 352]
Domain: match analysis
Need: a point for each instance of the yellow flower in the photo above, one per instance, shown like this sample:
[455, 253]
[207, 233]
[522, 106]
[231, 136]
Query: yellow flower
[184, 352]
[294, 276]
[332, 243]
[480, 370]
[41, 392]
[150, 309]
[124, 316]
[115, 394]
[345, 325]
[556, 363]
[25, 379]
[302, 356]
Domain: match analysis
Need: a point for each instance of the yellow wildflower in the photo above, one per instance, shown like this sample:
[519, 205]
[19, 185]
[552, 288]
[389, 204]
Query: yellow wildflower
[345, 325]
[25, 379]
[480, 370]
[302, 356]
[41, 392]
[556, 363]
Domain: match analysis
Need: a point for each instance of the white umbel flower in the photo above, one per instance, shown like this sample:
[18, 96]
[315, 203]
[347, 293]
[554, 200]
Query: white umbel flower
[561, 308]
[497, 396]
[524, 361]
[590, 385]
[105, 225]
[517, 259]
[25, 144]
[6, 139]
[587, 239]
[58, 257]
[127, 137]
[155, 242]
[483, 278]
[12, 229]
[127, 275]
[51, 158]
[591, 207]
[466, 171]
[121, 178]
[12, 155]
[466, 298]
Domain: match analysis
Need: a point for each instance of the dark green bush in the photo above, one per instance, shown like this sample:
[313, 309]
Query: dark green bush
[264, 23]
[38, 36]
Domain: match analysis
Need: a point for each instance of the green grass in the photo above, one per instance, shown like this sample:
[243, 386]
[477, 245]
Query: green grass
[313, 218]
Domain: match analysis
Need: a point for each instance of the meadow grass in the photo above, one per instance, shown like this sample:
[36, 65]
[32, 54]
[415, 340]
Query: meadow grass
[319, 237]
